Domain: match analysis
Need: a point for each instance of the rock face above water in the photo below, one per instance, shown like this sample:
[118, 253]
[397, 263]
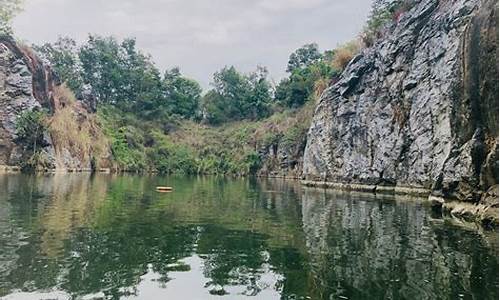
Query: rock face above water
[419, 108]
[27, 83]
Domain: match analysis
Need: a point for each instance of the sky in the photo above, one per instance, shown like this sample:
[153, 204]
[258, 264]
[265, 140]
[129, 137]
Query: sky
[201, 36]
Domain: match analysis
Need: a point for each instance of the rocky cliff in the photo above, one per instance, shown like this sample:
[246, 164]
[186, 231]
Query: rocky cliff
[26, 84]
[417, 109]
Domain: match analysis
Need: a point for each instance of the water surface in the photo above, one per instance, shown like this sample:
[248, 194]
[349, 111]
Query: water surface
[114, 237]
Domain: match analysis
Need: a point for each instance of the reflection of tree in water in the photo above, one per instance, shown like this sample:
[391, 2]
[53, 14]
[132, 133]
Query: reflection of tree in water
[91, 236]
[379, 249]
[113, 261]
[111, 232]
[231, 257]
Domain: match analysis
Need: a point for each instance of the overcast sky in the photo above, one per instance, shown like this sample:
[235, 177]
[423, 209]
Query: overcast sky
[201, 36]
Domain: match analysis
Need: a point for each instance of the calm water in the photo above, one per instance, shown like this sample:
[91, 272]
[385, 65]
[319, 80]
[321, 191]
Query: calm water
[113, 237]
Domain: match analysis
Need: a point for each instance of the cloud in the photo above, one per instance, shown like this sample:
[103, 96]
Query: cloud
[201, 36]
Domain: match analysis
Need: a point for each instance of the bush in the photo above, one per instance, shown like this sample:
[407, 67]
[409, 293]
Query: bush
[169, 158]
[344, 54]
[383, 13]
[30, 128]
[295, 134]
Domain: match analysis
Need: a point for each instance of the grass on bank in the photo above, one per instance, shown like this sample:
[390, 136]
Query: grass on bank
[187, 147]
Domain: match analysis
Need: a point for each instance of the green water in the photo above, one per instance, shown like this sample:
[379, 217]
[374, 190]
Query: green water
[114, 237]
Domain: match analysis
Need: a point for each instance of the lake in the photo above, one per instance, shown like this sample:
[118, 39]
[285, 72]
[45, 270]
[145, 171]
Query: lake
[82, 236]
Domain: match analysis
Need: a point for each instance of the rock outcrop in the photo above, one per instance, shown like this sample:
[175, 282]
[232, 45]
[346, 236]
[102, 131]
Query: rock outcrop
[282, 160]
[26, 83]
[417, 109]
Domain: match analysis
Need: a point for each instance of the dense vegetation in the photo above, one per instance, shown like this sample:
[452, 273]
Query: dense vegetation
[164, 121]
[8, 9]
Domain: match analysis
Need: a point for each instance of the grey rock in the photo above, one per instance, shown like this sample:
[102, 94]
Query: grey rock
[419, 108]
[26, 84]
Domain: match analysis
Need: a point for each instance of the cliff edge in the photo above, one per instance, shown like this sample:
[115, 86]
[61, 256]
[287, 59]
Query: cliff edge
[418, 109]
[72, 140]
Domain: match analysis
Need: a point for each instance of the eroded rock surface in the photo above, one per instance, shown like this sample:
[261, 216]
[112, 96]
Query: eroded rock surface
[26, 84]
[419, 108]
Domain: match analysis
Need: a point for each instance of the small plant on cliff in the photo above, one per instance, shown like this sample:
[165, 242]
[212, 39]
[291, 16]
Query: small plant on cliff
[30, 128]
[344, 53]
[383, 13]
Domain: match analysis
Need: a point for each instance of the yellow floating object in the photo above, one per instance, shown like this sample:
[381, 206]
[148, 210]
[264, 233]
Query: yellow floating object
[164, 189]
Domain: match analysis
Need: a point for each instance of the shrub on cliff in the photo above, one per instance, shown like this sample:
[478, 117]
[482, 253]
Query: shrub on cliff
[309, 75]
[383, 12]
[344, 53]
[31, 126]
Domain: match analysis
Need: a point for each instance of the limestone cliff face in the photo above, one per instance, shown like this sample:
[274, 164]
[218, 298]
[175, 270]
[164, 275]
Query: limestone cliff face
[26, 83]
[419, 108]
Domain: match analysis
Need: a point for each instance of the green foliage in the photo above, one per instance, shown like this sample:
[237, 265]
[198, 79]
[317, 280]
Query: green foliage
[8, 9]
[229, 149]
[383, 13]
[127, 150]
[298, 88]
[303, 57]
[168, 158]
[122, 76]
[63, 57]
[30, 128]
[237, 96]
[183, 94]
[216, 109]
[295, 135]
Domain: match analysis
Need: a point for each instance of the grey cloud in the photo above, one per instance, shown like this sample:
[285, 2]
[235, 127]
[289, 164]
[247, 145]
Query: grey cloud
[201, 36]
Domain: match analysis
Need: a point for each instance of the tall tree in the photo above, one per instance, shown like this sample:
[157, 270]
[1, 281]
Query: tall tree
[63, 57]
[8, 9]
[122, 76]
[183, 94]
[238, 96]
[303, 57]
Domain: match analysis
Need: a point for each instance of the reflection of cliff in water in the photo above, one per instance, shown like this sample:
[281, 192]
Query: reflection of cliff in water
[386, 249]
[113, 236]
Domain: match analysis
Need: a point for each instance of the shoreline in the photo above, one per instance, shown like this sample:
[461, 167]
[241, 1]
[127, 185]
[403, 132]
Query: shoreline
[483, 214]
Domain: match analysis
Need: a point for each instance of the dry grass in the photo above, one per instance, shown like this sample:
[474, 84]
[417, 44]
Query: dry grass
[344, 54]
[63, 96]
[320, 86]
[73, 129]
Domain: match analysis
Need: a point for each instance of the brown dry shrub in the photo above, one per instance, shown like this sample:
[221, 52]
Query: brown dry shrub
[344, 54]
[72, 128]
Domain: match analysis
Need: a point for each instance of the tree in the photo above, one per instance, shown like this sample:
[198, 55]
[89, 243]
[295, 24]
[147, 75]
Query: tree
[63, 57]
[122, 76]
[237, 96]
[299, 87]
[215, 110]
[257, 105]
[30, 128]
[8, 9]
[303, 57]
[183, 94]
[103, 68]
